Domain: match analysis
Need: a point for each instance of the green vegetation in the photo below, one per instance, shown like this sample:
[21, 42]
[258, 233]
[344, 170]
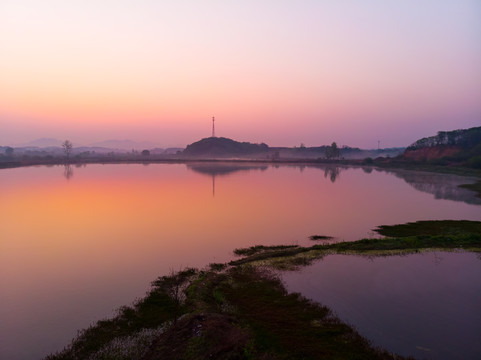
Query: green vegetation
[262, 249]
[320, 237]
[432, 227]
[407, 238]
[242, 313]
[241, 310]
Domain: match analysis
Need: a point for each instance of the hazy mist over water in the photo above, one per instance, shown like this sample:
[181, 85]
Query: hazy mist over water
[78, 242]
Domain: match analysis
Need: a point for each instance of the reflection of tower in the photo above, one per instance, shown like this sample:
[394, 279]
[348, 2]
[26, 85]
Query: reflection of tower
[213, 185]
[213, 127]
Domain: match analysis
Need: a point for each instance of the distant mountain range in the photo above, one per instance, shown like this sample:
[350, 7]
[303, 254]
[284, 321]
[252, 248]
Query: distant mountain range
[126, 144]
[43, 142]
[110, 144]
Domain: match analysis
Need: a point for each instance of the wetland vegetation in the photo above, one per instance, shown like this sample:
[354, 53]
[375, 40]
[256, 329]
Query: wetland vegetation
[241, 310]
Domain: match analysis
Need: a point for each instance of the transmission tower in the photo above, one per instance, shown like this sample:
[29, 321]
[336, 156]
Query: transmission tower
[213, 126]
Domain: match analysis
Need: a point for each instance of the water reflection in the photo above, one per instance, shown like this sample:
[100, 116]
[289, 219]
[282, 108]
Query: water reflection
[333, 172]
[442, 186]
[222, 169]
[129, 223]
[424, 305]
[68, 171]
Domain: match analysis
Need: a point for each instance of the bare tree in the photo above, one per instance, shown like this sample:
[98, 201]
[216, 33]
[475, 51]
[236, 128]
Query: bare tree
[67, 147]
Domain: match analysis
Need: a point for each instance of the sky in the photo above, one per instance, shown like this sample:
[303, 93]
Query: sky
[274, 71]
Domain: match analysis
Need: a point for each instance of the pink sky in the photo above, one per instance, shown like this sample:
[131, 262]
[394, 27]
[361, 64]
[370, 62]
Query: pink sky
[280, 72]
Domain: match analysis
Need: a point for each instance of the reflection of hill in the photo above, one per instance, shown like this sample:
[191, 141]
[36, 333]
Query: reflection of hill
[223, 169]
[442, 186]
[219, 169]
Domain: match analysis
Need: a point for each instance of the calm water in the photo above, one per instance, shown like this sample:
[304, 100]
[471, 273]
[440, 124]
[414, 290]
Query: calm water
[425, 305]
[77, 243]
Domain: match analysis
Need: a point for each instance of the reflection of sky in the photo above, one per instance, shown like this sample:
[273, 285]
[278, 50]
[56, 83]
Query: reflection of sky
[426, 305]
[71, 251]
[442, 186]
[280, 72]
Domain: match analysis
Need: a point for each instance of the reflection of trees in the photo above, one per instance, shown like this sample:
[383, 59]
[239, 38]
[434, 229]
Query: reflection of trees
[442, 186]
[68, 171]
[333, 172]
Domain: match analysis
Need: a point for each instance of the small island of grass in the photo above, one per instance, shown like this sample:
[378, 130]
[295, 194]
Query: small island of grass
[320, 237]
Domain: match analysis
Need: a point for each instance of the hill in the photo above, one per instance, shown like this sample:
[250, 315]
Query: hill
[457, 147]
[223, 147]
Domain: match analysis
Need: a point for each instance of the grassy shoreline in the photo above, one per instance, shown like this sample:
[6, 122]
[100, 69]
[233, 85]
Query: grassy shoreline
[401, 239]
[241, 310]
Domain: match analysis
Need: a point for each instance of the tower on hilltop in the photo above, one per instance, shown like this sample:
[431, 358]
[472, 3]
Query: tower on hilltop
[213, 126]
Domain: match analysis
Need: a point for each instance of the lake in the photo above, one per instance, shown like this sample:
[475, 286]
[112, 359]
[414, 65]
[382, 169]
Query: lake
[424, 305]
[76, 243]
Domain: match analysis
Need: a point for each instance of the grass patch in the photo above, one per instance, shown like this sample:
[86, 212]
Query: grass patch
[243, 311]
[152, 312]
[404, 238]
[261, 249]
[288, 326]
[262, 321]
[466, 241]
[434, 227]
[320, 237]
[217, 266]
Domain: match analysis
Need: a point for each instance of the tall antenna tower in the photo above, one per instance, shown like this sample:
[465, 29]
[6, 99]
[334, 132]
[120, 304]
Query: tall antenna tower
[213, 126]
